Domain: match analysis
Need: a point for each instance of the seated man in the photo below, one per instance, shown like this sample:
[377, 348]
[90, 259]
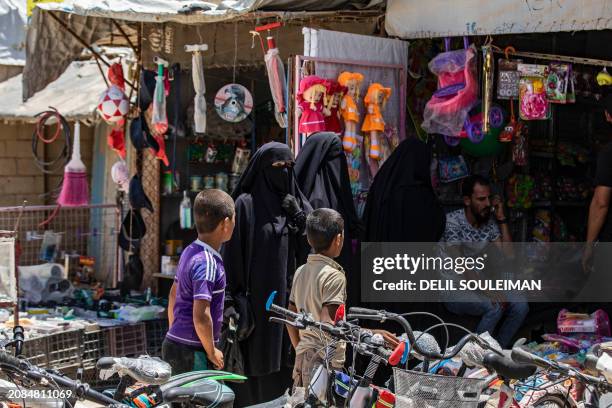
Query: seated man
[482, 221]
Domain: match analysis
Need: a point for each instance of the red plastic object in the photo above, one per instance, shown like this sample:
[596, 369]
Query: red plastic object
[339, 314]
[386, 399]
[397, 354]
[267, 27]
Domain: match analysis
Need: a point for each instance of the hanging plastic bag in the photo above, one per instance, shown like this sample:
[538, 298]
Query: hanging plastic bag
[159, 119]
[199, 101]
[457, 93]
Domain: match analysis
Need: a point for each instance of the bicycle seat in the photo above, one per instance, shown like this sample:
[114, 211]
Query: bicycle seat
[207, 393]
[145, 369]
[506, 368]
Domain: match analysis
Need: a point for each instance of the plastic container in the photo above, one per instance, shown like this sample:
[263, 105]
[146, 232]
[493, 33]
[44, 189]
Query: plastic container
[185, 212]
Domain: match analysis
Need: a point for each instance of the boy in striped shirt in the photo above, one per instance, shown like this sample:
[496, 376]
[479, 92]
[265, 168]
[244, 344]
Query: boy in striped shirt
[195, 306]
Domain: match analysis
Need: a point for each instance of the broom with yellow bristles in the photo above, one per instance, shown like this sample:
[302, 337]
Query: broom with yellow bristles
[75, 191]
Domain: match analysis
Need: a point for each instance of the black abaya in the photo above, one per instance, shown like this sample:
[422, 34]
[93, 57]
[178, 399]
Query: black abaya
[322, 174]
[260, 259]
[401, 204]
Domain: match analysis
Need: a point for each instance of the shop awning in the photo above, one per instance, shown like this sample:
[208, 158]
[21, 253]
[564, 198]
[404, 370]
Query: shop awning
[12, 38]
[444, 18]
[74, 94]
[166, 24]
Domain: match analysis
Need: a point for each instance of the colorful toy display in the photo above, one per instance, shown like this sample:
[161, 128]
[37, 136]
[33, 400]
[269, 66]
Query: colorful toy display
[374, 124]
[447, 110]
[348, 108]
[473, 127]
[310, 99]
[452, 168]
[597, 322]
[520, 191]
[557, 82]
[334, 94]
[533, 102]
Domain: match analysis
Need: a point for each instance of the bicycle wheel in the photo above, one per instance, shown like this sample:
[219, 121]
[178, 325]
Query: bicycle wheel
[551, 401]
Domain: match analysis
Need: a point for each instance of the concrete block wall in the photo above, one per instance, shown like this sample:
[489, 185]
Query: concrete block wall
[20, 178]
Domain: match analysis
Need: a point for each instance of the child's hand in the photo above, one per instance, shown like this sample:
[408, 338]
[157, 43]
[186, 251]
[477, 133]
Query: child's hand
[217, 359]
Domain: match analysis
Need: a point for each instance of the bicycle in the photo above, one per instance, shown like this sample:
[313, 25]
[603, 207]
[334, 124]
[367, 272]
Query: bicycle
[364, 342]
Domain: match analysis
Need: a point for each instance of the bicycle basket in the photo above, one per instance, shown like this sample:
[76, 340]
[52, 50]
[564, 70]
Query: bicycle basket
[422, 390]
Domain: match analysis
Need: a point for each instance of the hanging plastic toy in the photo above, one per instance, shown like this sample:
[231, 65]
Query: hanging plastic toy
[348, 108]
[310, 99]
[160, 118]
[335, 93]
[447, 110]
[375, 101]
[199, 85]
[487, 93]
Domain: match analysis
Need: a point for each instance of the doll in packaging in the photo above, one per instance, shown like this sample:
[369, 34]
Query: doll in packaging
[348, 108]
[310, 99]
[335, 93]
[374, 124]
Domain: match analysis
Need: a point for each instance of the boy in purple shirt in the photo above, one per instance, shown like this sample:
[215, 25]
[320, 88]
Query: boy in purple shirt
[195, 306]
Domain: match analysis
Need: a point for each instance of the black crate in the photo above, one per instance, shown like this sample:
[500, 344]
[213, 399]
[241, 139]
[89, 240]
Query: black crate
[156, 332]
[35, 350]
[65, 349]
[95, 346]
[127, 341]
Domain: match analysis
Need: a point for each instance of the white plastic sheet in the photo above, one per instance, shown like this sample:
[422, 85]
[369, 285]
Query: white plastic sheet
[199, 105]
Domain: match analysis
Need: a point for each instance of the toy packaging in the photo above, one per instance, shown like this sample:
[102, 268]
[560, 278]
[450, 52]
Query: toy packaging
[508, 79]
[520, 191]
[557, 82]
[533, 103]
[452, 168]
[597, 323]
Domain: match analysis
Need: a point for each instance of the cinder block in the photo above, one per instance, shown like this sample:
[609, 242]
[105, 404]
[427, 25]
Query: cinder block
[20, 148]
[8, 167]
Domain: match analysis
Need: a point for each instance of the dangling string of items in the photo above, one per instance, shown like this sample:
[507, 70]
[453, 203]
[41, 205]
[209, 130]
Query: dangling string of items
[114, 107]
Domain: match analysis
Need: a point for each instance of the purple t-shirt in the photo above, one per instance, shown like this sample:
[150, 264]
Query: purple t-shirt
[200, 275]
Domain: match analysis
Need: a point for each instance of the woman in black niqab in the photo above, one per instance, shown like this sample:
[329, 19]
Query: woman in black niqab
[322, 174]
[402, 205]
[261, 258]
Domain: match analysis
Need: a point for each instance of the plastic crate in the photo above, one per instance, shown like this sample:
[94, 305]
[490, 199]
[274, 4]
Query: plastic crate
[156, 332]
[65, 349]
[95, 346]
[35, 351]
[127, 341]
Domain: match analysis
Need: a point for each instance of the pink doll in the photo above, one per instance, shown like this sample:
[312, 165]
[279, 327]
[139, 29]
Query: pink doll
[310, 99]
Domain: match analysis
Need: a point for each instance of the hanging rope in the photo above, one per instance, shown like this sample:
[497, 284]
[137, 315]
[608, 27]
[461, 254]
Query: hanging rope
[61, 127]
[235, 51]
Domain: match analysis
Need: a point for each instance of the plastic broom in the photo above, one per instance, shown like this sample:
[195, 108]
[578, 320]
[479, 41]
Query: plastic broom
[74, 188]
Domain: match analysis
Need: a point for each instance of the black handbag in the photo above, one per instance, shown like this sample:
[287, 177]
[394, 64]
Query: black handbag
[246, 318]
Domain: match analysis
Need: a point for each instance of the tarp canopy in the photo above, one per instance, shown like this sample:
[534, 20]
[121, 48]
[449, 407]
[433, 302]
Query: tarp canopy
[447, 18]
[165, 28]
[74, 94]
[188, 12]
[12, 32]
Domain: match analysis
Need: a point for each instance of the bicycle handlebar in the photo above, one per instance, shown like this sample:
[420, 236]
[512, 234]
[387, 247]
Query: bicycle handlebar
[520, 355]
[382, 315]
[82, 390]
